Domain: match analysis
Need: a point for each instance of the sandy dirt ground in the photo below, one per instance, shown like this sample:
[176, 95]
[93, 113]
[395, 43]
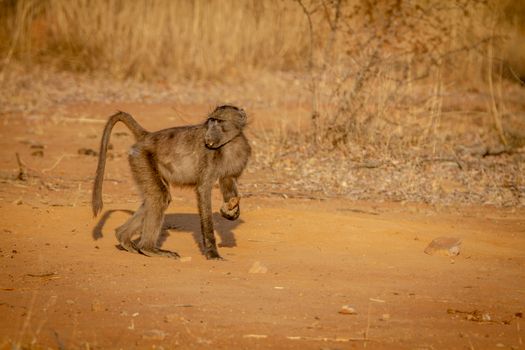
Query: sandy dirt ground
[291, 264]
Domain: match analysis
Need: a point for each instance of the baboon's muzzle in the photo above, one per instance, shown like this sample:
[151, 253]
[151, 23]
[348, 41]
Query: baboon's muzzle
[212, 140]
[214, 135]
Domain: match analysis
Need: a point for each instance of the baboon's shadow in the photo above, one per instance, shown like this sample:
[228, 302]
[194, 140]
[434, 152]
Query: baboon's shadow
[183, 222]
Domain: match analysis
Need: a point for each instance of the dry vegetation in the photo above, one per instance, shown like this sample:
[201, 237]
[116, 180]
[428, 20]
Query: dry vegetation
[154, 39]
[407, 100]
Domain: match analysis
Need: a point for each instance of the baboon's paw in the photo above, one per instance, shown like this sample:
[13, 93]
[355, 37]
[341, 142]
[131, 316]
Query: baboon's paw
[128, 246]
[233, 203]
[230, 214]
[159, 252]
[213, 254]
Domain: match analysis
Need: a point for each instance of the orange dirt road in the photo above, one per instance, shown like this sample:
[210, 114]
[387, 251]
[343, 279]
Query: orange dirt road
[291, 264]
[61, 288]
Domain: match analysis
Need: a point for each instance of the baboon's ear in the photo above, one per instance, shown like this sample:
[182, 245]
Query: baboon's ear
[242, 113]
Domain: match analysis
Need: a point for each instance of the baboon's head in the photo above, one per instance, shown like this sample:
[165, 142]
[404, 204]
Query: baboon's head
[223, 125]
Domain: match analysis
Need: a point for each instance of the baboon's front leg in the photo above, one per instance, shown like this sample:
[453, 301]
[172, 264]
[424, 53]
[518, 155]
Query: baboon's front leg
[230, 209]
[208, 237]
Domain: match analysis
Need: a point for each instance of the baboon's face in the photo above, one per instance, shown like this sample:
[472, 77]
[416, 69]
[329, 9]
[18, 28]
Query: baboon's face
[223, 125]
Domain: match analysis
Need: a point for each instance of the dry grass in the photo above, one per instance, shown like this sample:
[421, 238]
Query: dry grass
[402, 87]
[152, 39]
[205, 39]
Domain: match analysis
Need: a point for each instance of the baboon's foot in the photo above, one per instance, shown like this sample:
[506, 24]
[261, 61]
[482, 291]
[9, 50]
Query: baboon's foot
[230, 210]
[212, 254]
[152, 252]
[128, 246]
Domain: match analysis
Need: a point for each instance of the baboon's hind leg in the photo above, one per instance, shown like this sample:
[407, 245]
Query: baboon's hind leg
[131, 227]
[156, 200]
[154, 216]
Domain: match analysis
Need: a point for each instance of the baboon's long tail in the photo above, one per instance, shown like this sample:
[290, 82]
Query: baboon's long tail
[138, 131]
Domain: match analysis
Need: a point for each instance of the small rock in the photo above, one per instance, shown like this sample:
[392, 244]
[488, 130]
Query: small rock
[445, 246]
[347, 310]
[37, 146]
[185, 259]
[255, 336]
[70, 302]
[171, 318]
[96, 305]
[257, 267]
[385, 317]
[476, 315]
[479, 317]
[376, 300]
[87, 152]
[154, 334]
[203, 341]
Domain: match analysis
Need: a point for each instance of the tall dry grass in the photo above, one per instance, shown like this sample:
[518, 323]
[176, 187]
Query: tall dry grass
[144, 39]
[206, 38]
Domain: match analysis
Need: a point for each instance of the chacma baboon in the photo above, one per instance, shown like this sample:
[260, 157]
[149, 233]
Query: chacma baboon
[194, 155]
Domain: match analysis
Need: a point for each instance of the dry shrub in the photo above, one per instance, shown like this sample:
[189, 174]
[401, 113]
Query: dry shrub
[382, 71]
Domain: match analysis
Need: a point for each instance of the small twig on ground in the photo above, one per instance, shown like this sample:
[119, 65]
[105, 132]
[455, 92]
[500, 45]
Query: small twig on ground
[359, 211]
[337, 339]
[46, 275]
[81, 120]
[369, 165]
[263, 241]
[285, 195]
[54, 165]
[27, 320]
[367, 324]
[470, 343]
[77, 196]
[48, 185]
[22, 169]
[518, 330]
[59, 342]
[515, 75]
[497, 151]
[23, 174]
[440, 159]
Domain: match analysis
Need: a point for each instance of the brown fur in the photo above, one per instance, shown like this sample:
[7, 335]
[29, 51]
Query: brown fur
[197, 155]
